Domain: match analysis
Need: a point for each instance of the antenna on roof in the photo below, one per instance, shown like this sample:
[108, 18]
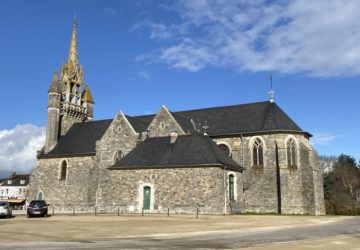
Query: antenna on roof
[271, 92]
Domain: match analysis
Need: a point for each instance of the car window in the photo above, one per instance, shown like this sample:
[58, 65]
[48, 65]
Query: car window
[37, 203]
[2, 203]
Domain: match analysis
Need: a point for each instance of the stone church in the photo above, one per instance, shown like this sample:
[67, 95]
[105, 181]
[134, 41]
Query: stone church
[242, 158]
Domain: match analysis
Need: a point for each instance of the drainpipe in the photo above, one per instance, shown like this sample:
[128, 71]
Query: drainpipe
[225, 200]
[278, 184]
[243, 165]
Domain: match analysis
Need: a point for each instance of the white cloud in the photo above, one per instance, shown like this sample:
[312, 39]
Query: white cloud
[322, 139]
[18, 147]
[143, 75]
[320, 38]
[160, 31]
[110, 11]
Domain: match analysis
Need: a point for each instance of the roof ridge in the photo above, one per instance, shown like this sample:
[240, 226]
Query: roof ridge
[211, 144]
[182, 116]
[134, 117]
[218, 107]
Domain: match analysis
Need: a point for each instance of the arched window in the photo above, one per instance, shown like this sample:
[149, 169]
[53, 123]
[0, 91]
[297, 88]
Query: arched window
[40, 195]
[225, 148]
[231, 187]
[118, 156]
[291, 152]
[258, 152]
[63, 170]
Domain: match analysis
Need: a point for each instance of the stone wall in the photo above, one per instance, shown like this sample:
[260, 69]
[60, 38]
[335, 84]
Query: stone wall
[180, 189]
[119, 137]
[63, 194]
[163, 124]
[301, 187]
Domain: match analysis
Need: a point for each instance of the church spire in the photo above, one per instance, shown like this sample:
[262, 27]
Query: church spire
[54, 86]
[73, 53]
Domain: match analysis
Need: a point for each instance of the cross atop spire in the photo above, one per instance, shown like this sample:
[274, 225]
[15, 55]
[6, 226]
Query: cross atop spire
[271, 92]
[73, 54]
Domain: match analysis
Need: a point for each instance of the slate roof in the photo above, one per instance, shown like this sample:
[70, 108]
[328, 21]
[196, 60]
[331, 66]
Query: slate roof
[138, 124]
[16, 181]
[80, 139]
[239, 119]
[187, 151]
[221, 121]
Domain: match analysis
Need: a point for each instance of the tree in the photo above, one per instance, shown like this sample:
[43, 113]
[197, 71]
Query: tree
[340, 186]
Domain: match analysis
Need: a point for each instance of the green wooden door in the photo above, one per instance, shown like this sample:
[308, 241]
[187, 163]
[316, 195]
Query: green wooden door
[147, 196]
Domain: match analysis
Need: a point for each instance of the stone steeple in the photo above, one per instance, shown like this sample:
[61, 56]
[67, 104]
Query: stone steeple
[73, 59]
[75, 103]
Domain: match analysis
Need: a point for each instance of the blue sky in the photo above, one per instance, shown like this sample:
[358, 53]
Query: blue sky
[186, 54]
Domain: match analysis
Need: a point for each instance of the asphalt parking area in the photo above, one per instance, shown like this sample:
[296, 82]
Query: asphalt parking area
[109, 227]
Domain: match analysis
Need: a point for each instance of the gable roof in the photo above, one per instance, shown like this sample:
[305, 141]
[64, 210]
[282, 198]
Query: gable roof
[79, 140]
[228, 120]
[250, 118]
[187, 151]
[240, 119]
[16, 180]
[138, 124]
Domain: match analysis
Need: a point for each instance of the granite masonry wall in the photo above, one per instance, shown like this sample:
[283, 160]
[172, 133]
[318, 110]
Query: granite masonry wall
[301, 189]
[63, 194]
[120, 138]
[181, 190]
[163, 124]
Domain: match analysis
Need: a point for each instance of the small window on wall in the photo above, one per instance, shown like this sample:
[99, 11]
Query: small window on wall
[258, 152]
[63, 170]
[40, 195]
[231, 187]
[291, 153]
[118, 156]
[225, 149]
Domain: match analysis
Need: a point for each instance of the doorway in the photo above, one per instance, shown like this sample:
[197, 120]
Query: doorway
[147, 198]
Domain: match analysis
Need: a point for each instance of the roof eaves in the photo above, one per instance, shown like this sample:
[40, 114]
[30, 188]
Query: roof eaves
[165, 166]
[46, 156]
[262, 132]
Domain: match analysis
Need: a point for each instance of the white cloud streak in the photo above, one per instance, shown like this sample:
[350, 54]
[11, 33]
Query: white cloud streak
[110, 11]
[319, 38]
[18, 147]
[322, 139]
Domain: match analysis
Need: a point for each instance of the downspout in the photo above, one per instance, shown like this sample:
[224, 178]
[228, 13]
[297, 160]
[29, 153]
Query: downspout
[278, 184]
[225, 200]
[243, 165]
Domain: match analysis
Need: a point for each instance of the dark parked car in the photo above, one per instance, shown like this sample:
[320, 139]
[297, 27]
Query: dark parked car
[5, 209]
[37, 208]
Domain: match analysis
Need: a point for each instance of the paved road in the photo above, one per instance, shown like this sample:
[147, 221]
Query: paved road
[229, 239]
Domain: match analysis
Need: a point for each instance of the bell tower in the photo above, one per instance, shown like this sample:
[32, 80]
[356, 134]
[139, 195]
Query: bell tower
[68, 101]
[73, 108]
[53, 113]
